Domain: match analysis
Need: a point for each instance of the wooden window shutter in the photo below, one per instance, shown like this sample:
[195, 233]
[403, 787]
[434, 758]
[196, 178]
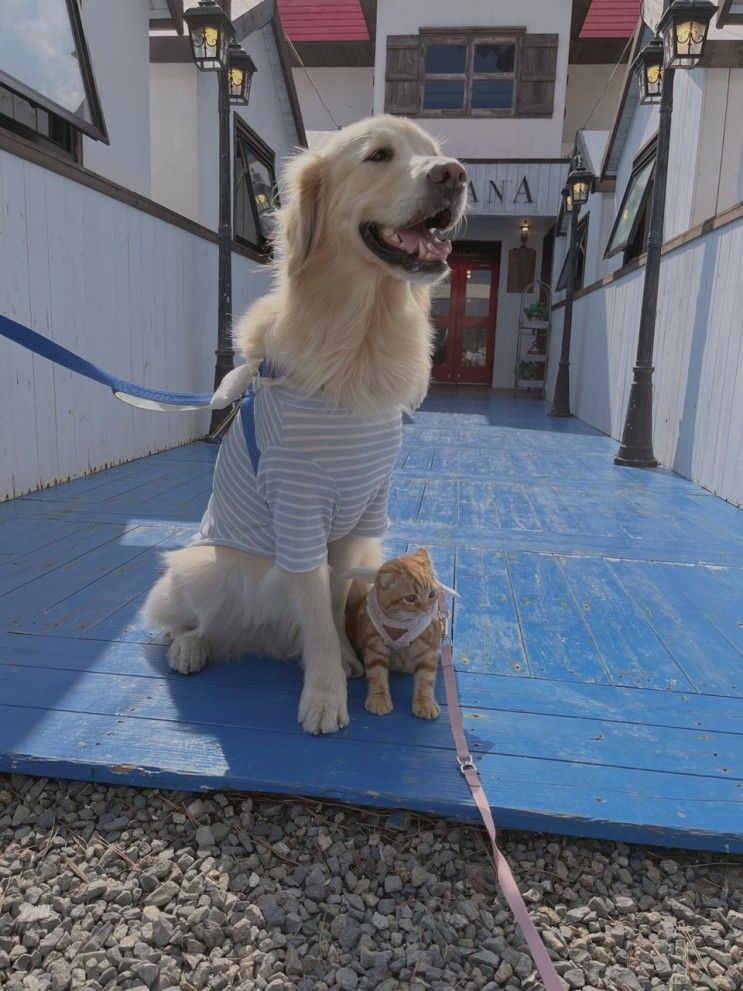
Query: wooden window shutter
[537, 75]
[401, 80]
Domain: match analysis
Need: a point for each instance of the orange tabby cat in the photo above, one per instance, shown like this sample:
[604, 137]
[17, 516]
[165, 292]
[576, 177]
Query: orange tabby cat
[396, 625]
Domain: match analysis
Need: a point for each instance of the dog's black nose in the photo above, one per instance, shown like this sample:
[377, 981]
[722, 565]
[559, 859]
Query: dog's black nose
[449, 171]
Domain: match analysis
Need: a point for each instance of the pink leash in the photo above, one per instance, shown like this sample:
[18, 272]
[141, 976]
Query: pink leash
[506, 880]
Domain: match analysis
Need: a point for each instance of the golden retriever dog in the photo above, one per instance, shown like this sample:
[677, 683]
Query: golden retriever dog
[359, 241]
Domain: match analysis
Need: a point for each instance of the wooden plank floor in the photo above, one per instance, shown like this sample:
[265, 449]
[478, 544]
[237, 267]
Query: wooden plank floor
[598, 637]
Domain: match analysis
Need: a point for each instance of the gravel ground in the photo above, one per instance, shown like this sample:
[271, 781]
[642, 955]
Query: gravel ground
[117, 888]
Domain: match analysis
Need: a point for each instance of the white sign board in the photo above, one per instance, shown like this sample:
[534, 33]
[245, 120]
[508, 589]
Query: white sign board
[516, 189]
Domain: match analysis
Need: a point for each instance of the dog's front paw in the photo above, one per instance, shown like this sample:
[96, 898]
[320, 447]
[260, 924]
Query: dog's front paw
[426, 708]
[323, 711]
[187, 653]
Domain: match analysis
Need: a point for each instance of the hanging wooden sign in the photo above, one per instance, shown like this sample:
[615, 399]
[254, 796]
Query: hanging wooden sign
[522, 264]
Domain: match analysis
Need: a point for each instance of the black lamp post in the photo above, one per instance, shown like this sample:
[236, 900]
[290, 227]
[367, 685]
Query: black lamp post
[574, 196]
[212, 33]
[683, 29]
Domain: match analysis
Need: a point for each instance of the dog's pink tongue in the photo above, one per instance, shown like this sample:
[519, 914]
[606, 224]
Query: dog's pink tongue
[421, 242]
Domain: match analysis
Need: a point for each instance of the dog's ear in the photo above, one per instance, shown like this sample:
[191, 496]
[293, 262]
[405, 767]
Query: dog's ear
[302, 217]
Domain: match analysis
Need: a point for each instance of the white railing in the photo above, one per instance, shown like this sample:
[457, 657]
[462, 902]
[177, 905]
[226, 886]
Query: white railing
[125, 289]
[698, 381]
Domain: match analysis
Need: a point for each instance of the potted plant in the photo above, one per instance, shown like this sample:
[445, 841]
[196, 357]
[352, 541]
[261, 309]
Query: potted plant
[529, 371]
[537, 313]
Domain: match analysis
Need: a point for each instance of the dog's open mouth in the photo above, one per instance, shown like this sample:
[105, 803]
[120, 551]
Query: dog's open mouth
[422, 247]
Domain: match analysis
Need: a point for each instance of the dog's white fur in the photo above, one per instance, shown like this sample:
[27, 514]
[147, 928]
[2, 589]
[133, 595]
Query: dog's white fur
[353, 328]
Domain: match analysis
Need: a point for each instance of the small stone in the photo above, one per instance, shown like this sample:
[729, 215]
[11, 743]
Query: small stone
[380, 921]
[486, 958]
[574, 978]
[205, 838]
[35, 914]
[346, 978]
[624, 904]
[164, 895]
[60, 975]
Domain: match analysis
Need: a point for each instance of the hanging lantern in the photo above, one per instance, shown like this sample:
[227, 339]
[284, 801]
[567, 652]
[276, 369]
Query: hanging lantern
[240, 69]
[649, 71]
[210, 31]
[567, 200]
[580, 183]
[684, 28]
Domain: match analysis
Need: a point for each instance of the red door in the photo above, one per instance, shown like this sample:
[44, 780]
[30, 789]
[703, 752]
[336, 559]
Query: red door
[463, 311]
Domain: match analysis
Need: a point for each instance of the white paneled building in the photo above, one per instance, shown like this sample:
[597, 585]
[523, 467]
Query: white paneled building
[698, 358]
[108, 220]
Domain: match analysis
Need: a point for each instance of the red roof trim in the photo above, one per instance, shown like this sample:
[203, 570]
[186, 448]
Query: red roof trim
[611, 19]
[323, 20]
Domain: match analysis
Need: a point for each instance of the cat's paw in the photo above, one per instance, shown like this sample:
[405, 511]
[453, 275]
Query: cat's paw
[426, 708]
[187, 653]
[323, 711]
[379, 703]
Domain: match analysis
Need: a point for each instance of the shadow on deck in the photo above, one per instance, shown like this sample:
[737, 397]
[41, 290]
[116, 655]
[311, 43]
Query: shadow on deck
[598, 639]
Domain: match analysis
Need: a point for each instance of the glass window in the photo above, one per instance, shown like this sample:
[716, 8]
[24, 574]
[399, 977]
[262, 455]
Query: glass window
[474, 347]
[492, 94]
[446, 59]
[440, 295]
[634, 204]
[440, 345]
[443, 94]
[465, 76]
[255, 190]
[495, 58]
[44, 59]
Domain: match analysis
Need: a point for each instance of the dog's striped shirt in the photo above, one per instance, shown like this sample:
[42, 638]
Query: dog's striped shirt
[323, 474]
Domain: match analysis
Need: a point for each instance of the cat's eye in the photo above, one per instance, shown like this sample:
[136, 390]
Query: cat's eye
[432, 594]
[380, 155]
[410, 598]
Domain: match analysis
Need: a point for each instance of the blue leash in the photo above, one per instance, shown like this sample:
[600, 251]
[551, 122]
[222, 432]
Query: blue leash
[128, 392]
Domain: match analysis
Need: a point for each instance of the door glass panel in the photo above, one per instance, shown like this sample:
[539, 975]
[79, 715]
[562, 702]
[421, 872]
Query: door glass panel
[440, 345]
[440, 295]
[474, 347]
[477, 293]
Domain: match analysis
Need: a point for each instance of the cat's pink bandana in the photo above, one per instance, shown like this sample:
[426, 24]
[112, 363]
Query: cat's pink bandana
[411, 628]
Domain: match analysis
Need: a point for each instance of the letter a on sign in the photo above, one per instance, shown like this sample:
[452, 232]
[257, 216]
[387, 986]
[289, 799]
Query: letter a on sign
[524, 191]
[473, 194]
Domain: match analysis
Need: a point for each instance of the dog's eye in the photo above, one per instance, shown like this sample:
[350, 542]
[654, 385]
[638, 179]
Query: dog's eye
[410, 598]
[380, 155]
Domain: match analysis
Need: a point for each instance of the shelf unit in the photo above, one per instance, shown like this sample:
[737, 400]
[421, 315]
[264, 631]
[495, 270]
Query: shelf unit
[533, 334]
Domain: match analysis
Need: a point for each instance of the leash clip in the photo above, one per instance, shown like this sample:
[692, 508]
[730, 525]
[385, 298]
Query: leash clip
[466, 763]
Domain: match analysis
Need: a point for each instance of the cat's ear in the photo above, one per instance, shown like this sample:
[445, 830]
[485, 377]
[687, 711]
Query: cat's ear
[422, 555]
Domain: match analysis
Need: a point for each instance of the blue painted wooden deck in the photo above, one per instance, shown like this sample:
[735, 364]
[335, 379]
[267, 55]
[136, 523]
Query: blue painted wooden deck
[599, 640]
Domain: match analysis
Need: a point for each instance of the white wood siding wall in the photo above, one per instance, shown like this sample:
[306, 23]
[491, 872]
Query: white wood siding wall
[698, 398]
[127, 291]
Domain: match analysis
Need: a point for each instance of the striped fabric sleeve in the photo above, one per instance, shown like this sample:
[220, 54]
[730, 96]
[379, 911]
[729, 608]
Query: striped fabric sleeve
[374, 522]
[302, 500]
